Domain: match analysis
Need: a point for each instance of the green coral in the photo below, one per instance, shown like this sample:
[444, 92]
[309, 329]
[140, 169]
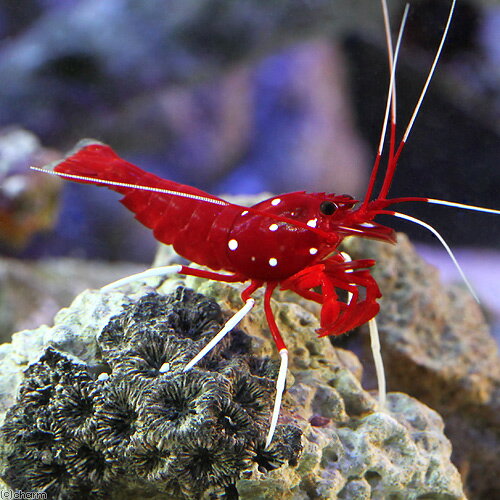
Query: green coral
[139, 422]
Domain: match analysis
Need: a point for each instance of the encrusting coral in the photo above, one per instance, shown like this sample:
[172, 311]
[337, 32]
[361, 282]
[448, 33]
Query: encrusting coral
[139, 420]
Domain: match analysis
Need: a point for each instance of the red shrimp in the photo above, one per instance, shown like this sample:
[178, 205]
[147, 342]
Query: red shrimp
[291, 240]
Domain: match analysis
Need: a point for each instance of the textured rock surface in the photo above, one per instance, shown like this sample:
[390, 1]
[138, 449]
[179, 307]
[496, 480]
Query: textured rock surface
[350, 450]
[437, 347]
[33, 291]
[75, 331]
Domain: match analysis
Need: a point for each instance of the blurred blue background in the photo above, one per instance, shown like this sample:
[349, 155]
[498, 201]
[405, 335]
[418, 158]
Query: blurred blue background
[245, 97]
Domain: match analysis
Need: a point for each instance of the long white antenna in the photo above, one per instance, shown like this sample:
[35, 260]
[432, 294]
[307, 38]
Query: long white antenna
[106, 182]
[443, 242]
[431, 72]
[391, 95]
[388, 39]
[392, 165]
[191, 196]
[474, 208]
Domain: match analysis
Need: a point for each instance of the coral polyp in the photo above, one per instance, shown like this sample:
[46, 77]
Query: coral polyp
[153, 351]
[209, 462]
[143, 424]
[73, 406]
[177, 406]
[117, 413]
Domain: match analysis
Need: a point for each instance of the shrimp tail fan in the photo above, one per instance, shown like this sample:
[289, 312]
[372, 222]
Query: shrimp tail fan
[172, 215]
[91, 158]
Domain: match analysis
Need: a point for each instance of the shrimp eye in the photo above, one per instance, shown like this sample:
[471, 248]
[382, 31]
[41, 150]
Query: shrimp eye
[327, 207]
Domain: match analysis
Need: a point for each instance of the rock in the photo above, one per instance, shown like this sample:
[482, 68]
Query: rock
[348, 444]
[437, 347]
[374, 456]
[73, 433]
[33, 291]
[75, 329]
[323, 387]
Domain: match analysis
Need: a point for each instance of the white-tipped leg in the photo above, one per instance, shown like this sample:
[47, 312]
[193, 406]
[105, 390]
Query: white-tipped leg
[230, 324]
[375, 346]
[347, 258]
[154, 271]
[379, 364]
[280, 389]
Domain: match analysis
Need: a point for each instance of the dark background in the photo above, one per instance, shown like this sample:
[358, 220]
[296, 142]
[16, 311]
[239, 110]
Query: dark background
[244, 97]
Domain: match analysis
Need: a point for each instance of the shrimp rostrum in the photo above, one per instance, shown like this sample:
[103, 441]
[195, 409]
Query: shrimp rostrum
[290, 241]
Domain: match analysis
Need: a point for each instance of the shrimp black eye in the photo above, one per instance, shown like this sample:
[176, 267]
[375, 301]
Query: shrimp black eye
[327, 207]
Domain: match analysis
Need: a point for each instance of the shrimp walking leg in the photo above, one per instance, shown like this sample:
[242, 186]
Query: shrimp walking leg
[280, 389]
[379, 364]
[149, 273]
[280, 344]
[375, 347]
[336, 273]
[229, 325]
[175, 269]
[348, 275]
[179, 269]
[231, 322]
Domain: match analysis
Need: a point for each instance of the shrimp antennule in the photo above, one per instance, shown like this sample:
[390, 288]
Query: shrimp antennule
[391, 98]
[393, 161]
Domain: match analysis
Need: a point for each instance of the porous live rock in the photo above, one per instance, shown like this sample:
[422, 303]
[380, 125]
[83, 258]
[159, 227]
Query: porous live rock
[437, 347]
[350, 448]
[34, 291]
[74, 332]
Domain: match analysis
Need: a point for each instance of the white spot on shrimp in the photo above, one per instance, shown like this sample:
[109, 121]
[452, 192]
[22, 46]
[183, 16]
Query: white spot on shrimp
[273, 262]
[367, 224]
[232, 244]
[103, 376]
[273, 227]
[312, 222]
[313, 251]
[244, 212]
[252, 258]
[276, 201]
